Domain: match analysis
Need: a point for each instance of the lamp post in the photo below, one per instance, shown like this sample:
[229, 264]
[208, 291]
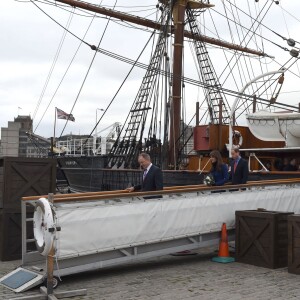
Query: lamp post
[233, 108]
[101, 109]
[96, 130]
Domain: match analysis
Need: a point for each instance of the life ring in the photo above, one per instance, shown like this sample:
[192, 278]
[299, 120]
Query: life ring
[236, 133]
[42, 222]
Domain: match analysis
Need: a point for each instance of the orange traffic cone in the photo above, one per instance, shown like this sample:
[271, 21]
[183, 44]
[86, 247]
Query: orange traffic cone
[223, 256]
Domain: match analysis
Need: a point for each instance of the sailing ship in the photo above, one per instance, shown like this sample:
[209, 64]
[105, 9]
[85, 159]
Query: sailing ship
[157, 122]
[132, 227]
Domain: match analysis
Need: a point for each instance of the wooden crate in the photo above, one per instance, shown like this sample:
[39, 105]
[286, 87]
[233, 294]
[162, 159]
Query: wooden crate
[22, 176]
[294, 244]
[11, 234]
[262, 238]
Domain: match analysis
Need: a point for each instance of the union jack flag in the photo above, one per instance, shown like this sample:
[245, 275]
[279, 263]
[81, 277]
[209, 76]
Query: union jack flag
[63, 115]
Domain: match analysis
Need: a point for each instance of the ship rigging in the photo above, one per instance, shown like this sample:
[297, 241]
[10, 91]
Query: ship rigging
[175, 16]
[157, 122]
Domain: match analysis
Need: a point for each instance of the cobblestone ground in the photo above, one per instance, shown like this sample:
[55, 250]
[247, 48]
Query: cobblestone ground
[170, 277]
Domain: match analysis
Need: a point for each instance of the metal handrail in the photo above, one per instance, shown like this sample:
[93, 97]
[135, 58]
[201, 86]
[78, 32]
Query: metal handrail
[166, 191]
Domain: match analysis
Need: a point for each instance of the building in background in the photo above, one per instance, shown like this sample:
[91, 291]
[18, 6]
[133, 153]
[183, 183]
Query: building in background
[15, 141]
[10, 136]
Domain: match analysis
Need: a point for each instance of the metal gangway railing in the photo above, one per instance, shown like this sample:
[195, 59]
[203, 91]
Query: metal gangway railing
[103, 229]
[76, 147]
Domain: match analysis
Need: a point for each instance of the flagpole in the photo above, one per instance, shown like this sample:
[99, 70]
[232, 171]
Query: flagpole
[53, 141]
[54, 122]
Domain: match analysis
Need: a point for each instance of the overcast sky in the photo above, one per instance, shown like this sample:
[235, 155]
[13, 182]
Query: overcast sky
[30, 39]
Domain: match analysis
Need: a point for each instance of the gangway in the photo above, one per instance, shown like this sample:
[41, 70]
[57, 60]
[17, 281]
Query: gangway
[104, 229]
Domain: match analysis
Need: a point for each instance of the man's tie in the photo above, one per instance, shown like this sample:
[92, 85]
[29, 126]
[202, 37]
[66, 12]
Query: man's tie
[145, 173]
[234, 166]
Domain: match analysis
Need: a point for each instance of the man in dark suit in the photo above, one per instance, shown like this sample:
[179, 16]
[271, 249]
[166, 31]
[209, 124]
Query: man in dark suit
[291, 166]
[239, 168]
[152, 178]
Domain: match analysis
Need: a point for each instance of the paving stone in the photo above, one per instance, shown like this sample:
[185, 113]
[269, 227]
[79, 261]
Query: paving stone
[172, 278]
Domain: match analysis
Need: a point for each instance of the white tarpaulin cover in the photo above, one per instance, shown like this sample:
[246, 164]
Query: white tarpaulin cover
[87, 229]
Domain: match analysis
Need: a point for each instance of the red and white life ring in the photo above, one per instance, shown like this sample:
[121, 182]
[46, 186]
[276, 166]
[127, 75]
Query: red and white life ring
[235, 134]
[42, 222]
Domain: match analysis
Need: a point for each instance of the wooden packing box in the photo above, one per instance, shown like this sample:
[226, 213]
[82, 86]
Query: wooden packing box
[25, 176]
[262, 238]
[11, 234]
[294, 244]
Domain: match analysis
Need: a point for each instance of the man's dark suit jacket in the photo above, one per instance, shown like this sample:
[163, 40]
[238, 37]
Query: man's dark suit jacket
[152, 182]
[240, 176]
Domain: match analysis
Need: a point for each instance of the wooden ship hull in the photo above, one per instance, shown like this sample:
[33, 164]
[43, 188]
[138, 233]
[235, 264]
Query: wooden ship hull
[88, 174]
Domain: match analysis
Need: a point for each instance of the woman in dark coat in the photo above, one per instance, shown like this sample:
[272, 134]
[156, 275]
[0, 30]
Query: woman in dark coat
[219, 170]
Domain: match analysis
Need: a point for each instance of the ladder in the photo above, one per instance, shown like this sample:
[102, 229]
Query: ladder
[125, 150]
[214, 93]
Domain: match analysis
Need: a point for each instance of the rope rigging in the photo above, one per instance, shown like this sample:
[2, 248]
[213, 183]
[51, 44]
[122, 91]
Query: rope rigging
[238, 62]
[53, 65]
[263, 25]
[160, 84]
[64, 75]
[118, 90]
[169, 75]
[243, 40]
[88, 14]
[121, 58]
[247, 62]
[251, 31]
[86, 75]
[289, 41]
[209, 76]
[125, 150]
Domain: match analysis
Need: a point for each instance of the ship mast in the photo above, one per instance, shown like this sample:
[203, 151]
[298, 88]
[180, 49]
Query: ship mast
[175, 116]
[155, 25]
[179, 9]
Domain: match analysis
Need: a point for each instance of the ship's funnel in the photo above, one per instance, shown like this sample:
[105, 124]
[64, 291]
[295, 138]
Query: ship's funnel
[268, 126]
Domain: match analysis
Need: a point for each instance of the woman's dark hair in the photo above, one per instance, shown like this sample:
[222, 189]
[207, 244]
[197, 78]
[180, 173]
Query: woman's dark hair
[217, 155]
